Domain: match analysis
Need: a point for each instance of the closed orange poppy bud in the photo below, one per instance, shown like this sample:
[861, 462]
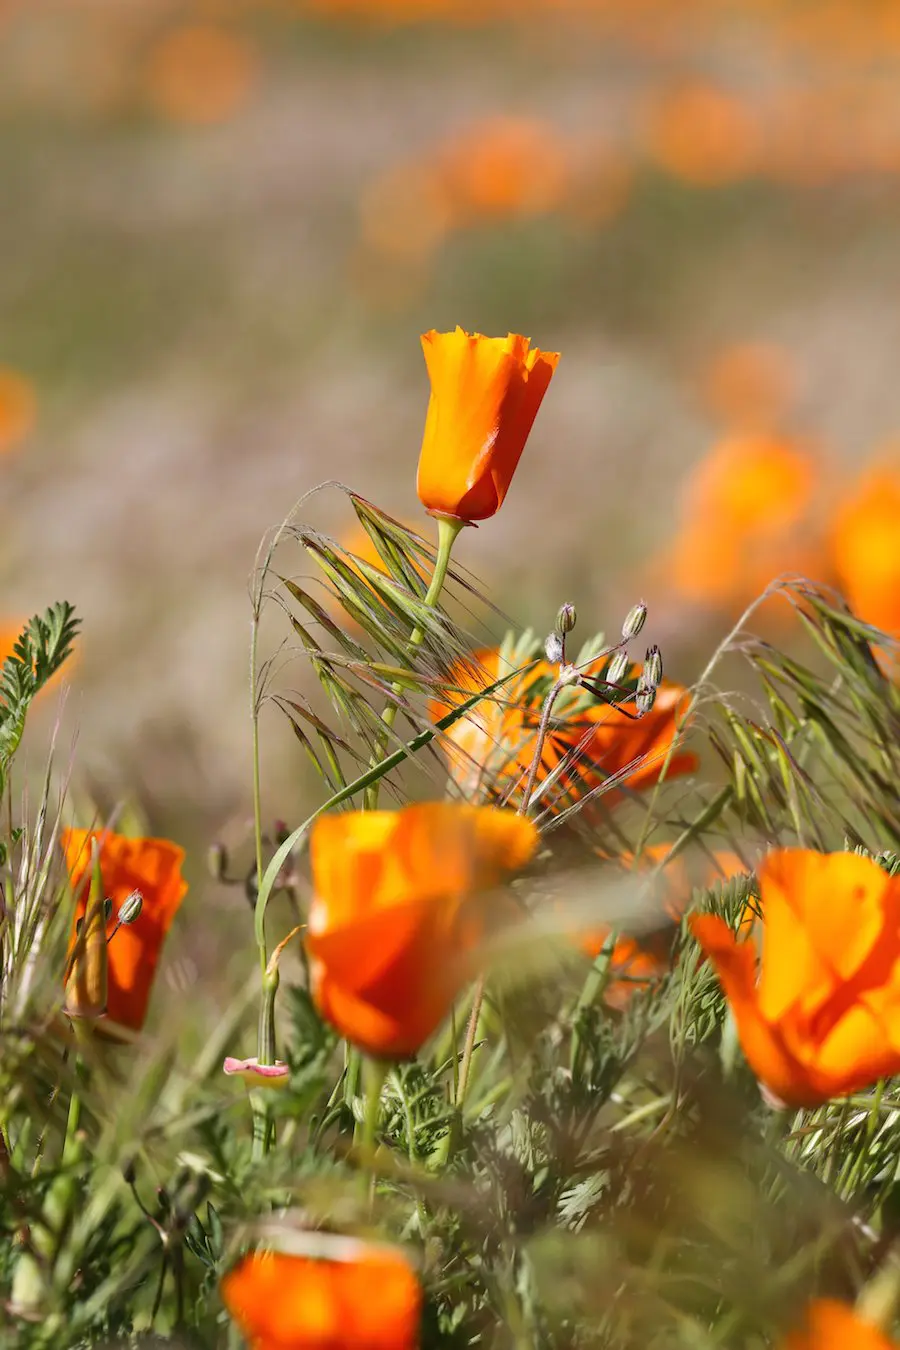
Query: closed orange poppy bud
[397, 915]
[485, 395]
[835, 1326]
[823, 1018]
[151, 867]
[370, 1301]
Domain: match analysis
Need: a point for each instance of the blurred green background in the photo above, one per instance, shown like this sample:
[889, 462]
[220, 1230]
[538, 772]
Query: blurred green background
[224, 225]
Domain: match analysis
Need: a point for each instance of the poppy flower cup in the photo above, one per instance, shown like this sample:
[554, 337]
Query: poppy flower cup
[402, 904]
[822, 1019]
[485, 395]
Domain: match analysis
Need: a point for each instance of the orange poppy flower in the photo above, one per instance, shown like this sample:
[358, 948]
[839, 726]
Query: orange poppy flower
[396, 920]
[866, 552]
[201, 74]
[10, 633]
[823, 1019]
[370, 1302]
[829, 1325]
[504, 166]
[485, 395]
[150, 866]
[18, 409]
[747, 519]
[637, 960]
[705, 136]
[490, 749]
[750, 385]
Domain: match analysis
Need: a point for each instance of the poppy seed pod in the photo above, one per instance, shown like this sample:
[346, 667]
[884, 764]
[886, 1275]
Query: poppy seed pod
[485, 395]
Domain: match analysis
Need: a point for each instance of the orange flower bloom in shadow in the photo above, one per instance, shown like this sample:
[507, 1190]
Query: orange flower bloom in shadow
[829, 1325]
[489, 750]
[201, 74]
[638, 960]
[866, 549]
[485, 395]
[150, 866]
[370, 1301]
[18, 409]
[823, 1017]
[398, 915]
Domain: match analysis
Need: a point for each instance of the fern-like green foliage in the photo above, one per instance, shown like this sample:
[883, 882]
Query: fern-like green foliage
[38, 653]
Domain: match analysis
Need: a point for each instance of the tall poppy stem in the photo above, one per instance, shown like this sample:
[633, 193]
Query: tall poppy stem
[448, 529]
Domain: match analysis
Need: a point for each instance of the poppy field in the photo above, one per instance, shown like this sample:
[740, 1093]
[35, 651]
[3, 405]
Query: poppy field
[591, 1047]
[472, 920]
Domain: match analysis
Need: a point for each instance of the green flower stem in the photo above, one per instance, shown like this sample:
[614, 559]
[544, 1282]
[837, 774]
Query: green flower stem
[263, 1129]
[374, 1074]
[448, 529]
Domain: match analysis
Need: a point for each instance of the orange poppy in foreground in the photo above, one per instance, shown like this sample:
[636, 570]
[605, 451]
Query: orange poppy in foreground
[485, 395]
[398, 914]
[639, 959]
[150, 866]
[830, 1325]
[489, 751]
[282, 1302]
[823, 1018]
[866, 546]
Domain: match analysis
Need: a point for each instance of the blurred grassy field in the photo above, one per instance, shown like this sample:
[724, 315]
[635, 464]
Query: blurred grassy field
[187, 284]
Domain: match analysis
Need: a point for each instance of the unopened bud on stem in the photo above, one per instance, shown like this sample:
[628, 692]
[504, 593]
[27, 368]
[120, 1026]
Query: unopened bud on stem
[644, 699]
[634, 621]
[130, 908]
[617, 668]
[565, 619]
[653, 669]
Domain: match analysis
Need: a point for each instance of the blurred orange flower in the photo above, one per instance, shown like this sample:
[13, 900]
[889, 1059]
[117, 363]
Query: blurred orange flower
[10, 632]
[396, 918]
[202, 74]
[371, 1301]
[749, 385]
[18, 409]
[639, 959]
[490, 749]
[747, 519]
[866, 548]
[150, 866]
[704, 135]
[503, 166]
[485, 395]
[824, 1018]
[829, 1325]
